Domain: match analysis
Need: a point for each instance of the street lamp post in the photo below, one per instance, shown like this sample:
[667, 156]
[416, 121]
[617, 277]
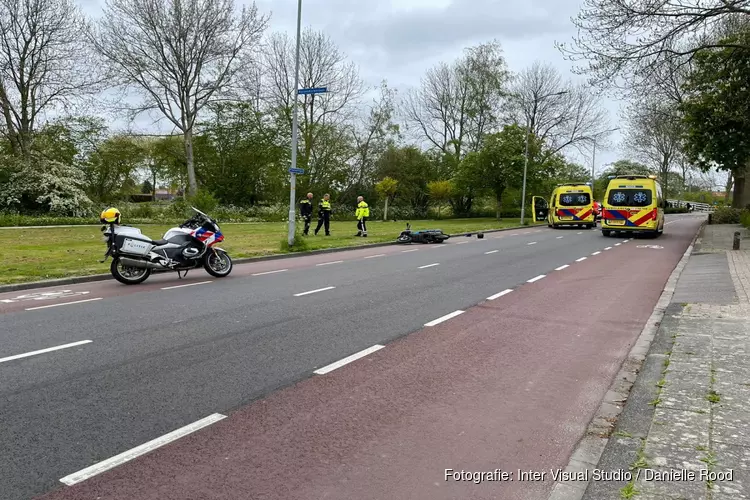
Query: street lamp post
[295, 126]
[526, 157]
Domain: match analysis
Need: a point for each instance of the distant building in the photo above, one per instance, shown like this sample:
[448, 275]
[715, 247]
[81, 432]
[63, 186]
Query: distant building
[164, 195]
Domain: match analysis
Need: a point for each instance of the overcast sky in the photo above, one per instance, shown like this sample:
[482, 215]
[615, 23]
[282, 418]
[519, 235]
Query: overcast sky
[399, 40]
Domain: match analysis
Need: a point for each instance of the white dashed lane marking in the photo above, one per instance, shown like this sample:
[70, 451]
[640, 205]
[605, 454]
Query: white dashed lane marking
[314, 291]
[444, 318]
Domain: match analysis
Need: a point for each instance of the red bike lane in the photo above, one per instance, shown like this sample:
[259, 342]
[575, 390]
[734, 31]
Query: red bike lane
[510, 384]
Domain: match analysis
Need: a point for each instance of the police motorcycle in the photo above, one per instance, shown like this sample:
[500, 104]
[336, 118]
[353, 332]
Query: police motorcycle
[189, 246]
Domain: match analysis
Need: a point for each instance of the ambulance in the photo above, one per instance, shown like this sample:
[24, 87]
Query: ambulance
[633, 204]
[569, 205]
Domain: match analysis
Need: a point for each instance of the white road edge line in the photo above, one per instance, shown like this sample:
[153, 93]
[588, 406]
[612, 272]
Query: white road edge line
[314, 291]
[491, 251]
[580, 232]
[271, 272]
[562, 267]
[373, 256]
[129, 455]
[532, 243]
[559, 237]
[498, 295]
[536, 278]
[461, 242]
[62, 304]
[444, 318]
[514, 234]
[329, 263]
[608, 248]
[596, 253]
[618, 244]
[347, 360]
[189, 284]
[412, 250]
[581, 259]
[429, 265]
[42, 351]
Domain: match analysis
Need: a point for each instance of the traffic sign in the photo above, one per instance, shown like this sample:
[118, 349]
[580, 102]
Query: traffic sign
[317, 90]
[296, 171]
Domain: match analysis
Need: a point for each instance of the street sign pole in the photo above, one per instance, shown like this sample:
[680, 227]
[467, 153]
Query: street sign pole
[295, 124]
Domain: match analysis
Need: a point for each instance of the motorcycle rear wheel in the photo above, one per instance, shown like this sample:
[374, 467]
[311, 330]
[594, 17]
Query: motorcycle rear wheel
[128, 275]
[218, 264]
[404, 239]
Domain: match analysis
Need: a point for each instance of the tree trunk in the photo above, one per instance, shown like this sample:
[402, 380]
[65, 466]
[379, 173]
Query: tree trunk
[192, 184]
[499, 206]
[385, 211]
[738, 196]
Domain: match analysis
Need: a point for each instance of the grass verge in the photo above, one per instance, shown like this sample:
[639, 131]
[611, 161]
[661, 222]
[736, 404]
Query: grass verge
[48, 253]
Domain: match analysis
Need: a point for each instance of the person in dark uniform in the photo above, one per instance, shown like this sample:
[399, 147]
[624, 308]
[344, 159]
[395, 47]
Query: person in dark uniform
[362, 213]
[306, 211]
[324, 214]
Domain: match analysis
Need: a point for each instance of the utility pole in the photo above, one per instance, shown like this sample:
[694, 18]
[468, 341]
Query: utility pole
[295, 126]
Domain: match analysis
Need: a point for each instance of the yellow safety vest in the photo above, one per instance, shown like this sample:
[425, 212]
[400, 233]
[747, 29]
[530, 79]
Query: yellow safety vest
[325, 205]
[363, 210]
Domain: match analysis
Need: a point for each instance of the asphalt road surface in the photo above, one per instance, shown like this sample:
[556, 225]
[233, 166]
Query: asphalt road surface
[510, 383]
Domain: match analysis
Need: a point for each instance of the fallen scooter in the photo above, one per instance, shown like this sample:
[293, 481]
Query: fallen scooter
[423, 236]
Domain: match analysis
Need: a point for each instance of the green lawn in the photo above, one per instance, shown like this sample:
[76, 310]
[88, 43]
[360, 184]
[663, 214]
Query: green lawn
[47, 253]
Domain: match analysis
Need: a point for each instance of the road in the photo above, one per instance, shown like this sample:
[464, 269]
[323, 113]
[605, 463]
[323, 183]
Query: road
[510, 383]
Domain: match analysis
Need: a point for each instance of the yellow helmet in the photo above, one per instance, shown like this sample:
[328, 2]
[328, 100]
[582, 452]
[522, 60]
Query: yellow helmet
[110, 216]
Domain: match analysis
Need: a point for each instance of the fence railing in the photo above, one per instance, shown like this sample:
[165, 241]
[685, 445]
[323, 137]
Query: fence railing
[696, 206]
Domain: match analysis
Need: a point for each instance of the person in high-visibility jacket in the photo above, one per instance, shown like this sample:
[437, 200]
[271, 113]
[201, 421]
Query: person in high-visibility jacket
[306, 211]
[324, 214]
[363, 212]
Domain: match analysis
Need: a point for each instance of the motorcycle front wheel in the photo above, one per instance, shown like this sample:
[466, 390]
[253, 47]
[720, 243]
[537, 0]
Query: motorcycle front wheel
[218, 264]
[404, 239]
[128, 275]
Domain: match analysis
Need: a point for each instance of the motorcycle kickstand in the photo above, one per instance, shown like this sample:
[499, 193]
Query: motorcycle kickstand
[180, 276]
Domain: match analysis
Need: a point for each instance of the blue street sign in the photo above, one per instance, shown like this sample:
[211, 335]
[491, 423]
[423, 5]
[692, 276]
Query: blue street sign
[296, 171]
[317, 90]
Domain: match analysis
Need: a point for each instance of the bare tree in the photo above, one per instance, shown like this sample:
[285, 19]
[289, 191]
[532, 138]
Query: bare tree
[180, 56]
[458, 104]
[43, 64]
[559, 113]
[626, 43]
[373, 135]
[322, 64]
[655, 132]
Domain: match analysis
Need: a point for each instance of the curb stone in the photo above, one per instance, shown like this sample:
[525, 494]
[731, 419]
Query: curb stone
[596, 446]
[244, 260]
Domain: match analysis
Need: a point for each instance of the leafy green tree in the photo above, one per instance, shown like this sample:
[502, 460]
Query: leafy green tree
[499, 164]
[717, 112]
[440, 193]
[386, 190]
[110, 170]
[238, 157]
[413, 169]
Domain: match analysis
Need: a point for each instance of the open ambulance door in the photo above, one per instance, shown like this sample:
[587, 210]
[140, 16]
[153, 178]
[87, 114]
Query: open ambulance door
[540, 207]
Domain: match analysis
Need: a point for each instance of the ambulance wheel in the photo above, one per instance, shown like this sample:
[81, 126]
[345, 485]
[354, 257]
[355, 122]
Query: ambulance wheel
[606, 232]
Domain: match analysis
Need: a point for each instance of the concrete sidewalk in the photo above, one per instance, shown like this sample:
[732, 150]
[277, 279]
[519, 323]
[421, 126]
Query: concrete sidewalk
[685, 430]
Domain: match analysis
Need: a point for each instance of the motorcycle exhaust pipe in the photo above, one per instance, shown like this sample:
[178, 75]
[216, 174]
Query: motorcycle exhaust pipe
[141, 264]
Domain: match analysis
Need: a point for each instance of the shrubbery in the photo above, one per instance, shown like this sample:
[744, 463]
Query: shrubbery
[727, 215]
